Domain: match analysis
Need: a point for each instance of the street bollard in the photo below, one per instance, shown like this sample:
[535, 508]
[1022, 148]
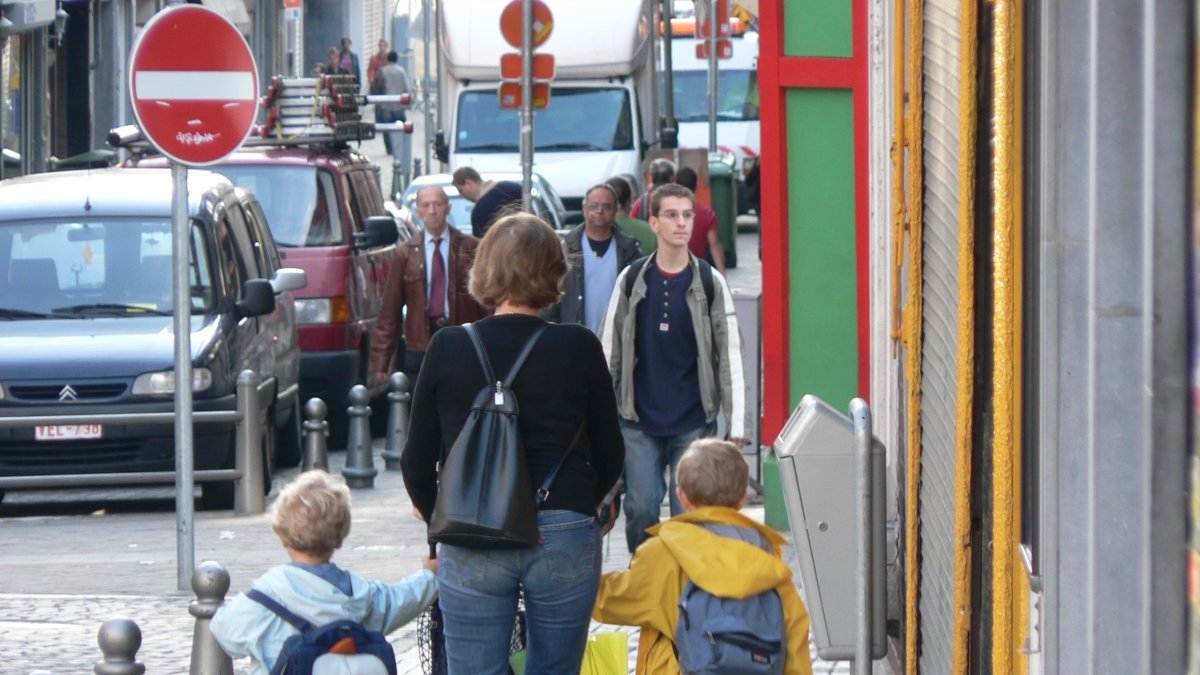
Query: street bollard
[248, 497]
[316, 429]
[397, 435]
[360, 462]
[119, 640]
[210, 582]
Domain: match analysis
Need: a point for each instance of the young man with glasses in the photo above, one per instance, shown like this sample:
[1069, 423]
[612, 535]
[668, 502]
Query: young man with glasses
[674, 350]
[597, 252]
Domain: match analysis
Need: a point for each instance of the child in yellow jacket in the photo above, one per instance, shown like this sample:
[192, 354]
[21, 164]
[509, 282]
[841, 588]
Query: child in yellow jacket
[712, 479]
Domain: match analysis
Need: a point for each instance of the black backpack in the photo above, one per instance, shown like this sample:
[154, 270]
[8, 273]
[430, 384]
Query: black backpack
[485, 497]
[343, 641]
[706, 277]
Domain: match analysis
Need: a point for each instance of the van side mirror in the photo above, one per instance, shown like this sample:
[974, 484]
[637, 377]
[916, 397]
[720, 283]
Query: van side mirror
[258, 298]
[441, 149]
[288, 279]
[377, 231]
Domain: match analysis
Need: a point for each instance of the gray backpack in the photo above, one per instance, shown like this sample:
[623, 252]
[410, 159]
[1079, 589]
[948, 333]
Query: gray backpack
[727, 635]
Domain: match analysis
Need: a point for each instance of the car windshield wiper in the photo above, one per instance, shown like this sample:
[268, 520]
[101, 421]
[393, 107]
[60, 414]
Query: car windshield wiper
[13, 313]
[574, 145]
[488, 147]
[111, 308]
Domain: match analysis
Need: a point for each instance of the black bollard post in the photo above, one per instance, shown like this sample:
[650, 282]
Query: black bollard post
[119, 640]
[316, 429]
[360, 462]
[397, 436]
[210, 583]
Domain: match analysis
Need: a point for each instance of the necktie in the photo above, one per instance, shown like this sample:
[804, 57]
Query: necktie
[437, 281]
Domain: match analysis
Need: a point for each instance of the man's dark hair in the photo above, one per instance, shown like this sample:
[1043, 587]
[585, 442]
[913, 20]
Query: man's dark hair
[393, 57]
[687, 178]
[662, 171]
[669, 190]
[464, 174]
[621, 188]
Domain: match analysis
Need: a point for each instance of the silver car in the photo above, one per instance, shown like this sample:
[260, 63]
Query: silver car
[546, 203]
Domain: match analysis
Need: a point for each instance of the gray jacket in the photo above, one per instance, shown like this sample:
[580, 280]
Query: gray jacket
[570, 308]
[723, 383]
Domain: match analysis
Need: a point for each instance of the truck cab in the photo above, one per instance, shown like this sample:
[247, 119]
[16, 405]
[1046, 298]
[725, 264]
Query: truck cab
[601, 115]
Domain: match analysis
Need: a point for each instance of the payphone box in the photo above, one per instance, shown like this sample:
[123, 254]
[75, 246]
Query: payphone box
[816, 452]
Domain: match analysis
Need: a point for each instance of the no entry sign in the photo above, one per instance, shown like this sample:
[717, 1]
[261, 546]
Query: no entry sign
[194, 84]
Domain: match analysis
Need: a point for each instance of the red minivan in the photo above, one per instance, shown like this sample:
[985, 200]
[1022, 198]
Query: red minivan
[325, 210]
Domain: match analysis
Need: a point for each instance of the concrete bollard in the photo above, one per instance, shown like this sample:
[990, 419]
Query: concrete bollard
[210, 582]
[119, 640]
[248, 497]
[397, 435]
[316, 431]
[360, 461]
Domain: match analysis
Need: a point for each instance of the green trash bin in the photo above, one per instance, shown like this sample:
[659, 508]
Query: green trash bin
[722, 182]
[10, 166]
[92, 159]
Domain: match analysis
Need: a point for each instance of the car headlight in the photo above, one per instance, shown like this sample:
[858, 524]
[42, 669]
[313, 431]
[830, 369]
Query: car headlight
[322, 310]
[163, 382]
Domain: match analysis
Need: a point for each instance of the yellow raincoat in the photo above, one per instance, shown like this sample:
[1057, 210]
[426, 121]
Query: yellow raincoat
[647, 594]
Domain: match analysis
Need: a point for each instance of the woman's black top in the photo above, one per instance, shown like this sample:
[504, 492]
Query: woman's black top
[564, 382]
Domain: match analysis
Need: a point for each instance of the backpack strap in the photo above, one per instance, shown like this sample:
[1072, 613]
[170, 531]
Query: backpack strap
[280, 611]
[706, 278]
[479, 351]
[543, 492]
[520, 360]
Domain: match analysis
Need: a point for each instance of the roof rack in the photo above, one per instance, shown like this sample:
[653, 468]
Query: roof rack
[300, 111]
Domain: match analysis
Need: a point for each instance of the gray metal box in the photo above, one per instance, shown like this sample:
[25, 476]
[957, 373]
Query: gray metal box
[816, 466]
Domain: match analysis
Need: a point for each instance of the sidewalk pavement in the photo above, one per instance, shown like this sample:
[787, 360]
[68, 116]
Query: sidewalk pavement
[64, 575]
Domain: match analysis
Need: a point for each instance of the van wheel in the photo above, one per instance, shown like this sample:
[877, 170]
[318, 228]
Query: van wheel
[288, 440]
[219, 495]
[216, 495]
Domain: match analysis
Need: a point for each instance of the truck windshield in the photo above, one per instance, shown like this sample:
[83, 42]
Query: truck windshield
[110, 267]
[299, 201]
[577, 119]
[738, 95]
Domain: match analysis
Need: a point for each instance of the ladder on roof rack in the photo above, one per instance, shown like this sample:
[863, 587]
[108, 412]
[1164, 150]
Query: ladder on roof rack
[301, 111]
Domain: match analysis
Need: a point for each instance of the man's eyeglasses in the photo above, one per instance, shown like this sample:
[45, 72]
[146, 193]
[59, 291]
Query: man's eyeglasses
[676, 215]
[603, 208]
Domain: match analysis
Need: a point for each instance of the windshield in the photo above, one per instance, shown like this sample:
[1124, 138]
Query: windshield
[299, 201]
[104, 267]
[738, 95]
[460, 207]
[578, 119]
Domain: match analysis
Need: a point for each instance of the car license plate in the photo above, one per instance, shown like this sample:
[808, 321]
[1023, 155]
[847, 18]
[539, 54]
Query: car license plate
[67, 432]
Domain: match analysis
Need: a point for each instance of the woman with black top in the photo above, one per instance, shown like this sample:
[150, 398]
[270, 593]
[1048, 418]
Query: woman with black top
[563, 384]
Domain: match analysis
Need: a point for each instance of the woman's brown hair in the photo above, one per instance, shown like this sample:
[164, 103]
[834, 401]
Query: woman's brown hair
[521, 260]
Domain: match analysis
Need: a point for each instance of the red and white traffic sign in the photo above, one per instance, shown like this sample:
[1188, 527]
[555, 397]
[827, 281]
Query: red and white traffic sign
[510, 23]
[194, 84]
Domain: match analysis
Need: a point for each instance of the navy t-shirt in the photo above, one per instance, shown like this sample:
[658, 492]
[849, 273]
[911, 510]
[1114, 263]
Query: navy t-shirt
[500, 195]
[665, 375]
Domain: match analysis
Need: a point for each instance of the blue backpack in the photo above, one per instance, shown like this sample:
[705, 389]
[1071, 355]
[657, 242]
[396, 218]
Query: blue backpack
[730, 636]
[341, 646]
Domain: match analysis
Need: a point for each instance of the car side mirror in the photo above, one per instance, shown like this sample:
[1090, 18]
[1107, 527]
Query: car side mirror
[258, 298]
[441, 149]
[288, 279]
[377, 231]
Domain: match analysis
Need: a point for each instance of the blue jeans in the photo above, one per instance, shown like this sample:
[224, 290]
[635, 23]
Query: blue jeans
[478, 589]
[646, 457]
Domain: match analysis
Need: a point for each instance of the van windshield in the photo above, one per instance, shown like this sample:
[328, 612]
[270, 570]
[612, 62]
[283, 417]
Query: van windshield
[577, 119]
[89, 268]
[737, 95]
[299, 201]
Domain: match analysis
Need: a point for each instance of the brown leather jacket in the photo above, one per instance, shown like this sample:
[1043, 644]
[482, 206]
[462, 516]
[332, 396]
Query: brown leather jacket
[406, 289]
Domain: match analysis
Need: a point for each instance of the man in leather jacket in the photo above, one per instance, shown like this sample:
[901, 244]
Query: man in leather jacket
[440, 252]
[597, 252]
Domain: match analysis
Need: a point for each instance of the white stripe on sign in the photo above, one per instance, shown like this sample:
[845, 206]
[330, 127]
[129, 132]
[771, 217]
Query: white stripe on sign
[195, 85]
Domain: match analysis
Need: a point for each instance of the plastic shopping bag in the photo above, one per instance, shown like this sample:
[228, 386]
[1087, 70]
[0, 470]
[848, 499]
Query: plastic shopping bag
[606, 654]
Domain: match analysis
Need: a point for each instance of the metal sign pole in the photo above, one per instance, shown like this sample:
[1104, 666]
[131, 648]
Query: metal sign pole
[182, 300]
[526, 102]
[860, 413]
[712, 74]
[428, 103]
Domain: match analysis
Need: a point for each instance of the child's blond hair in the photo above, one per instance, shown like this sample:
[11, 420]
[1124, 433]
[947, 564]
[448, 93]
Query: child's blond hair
[312, 514]
[713, 472]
